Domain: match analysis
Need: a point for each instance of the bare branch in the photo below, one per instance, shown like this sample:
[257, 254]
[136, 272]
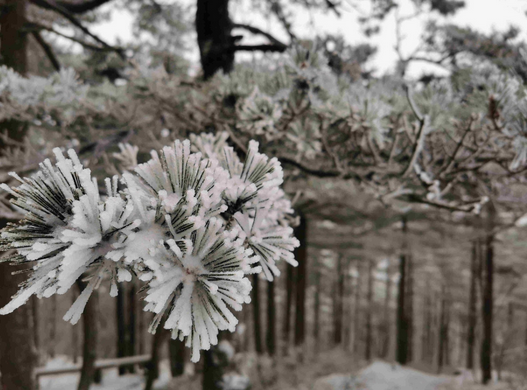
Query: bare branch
[257, 31]
[264, 48]
[47, 49]
[78, 8]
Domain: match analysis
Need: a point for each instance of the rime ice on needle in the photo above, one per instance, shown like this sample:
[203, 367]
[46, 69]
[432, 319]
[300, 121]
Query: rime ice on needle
[190, 225]
[194, 281]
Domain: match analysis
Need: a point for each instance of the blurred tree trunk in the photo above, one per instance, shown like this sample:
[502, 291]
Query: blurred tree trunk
[271, 319]
[301, 281]
[34, 302]
[338, 308]
[140, 331]
[316, 309]
[213, 27]
[410, 306]
[176, 350]
[369, 313]
[488, 297]
[52, 327]
[402, 322]
[257, 321]
[357, 329]
[18, 355]
[121, 324]
[214, 363]
[131, 348]
[152, 367]
[74, 331]
[387, 317]
[348, 312]
[290, 293]
[443, 346]
[89, 350]
[472, 302]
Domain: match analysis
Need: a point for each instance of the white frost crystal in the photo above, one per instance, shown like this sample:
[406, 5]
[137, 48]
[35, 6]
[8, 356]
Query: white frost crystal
[191, 223]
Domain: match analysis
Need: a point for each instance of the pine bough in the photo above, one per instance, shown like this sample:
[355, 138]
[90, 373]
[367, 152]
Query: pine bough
[191, 223]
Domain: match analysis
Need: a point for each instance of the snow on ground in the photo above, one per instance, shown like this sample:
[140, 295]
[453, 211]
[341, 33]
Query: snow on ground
[111, 379]
[382, 376]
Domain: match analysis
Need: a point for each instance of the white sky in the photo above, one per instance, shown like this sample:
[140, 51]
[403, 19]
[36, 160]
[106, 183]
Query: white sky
[481, 15]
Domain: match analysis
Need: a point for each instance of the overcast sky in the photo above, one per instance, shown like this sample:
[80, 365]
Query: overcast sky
[481, 15]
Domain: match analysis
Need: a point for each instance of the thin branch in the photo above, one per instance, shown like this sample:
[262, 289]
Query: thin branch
[83, 7]
[47, 49]
[264, 48]
[257, 31]
[52, 5]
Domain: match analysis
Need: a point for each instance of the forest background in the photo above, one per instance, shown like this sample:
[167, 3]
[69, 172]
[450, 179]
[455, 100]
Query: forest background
[408, 188]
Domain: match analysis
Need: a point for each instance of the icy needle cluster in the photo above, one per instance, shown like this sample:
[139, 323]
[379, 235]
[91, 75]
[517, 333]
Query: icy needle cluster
[191, 223]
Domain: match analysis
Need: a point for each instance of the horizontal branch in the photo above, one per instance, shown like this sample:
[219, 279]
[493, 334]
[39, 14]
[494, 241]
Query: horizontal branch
[257, 31]
[264, 48]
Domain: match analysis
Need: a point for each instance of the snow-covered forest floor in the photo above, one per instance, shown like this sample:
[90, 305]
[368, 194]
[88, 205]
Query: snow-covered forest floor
[332, 370]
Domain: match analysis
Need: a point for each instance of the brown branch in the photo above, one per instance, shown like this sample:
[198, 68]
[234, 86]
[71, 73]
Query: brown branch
[264, 48]
[257, 31]
[47, 49]
[52, 5]
[83, 7]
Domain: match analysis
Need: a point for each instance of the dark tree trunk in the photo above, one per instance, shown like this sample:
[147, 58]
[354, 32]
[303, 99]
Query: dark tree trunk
[176, 351]
[213, 27]
[152, 367]
[52, 327]
[290, 293]
[443, 339]
[131, 324]
[271, 320]
[402, 323]
[369, 314]
[316, 309]
[338, 303]
[214, 364]
[427, 328]
[487, 307]
[410, 306]
[257, 321]
[387, 318]
[89, 350]
[301, 282]
[121, 324]
[357, 328]
[140, 330]
[74, 332]
[35, 317]
[18, 355]
[472, 302]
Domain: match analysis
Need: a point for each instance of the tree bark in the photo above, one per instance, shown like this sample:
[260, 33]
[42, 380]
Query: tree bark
[338, 310]
[89, 352]
[290, 293]
[257, 322]
[409, 315]
[152, 367]
[213, 27]
[488, 308]
[176, 351]
[369, 313]
[214, 364]
[472, 311]
[442, 345]
[402, 324]
[52, 335]
[387, 317]
[271, 320]
[357, 329]
[301, 281]
[131, 348]
[316, 309]
[121, 324]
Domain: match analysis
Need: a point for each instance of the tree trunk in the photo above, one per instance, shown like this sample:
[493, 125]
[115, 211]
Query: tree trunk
[402, 324]
[472, 302]
[34, 302]
[256, 315]
[338, 304]
[369, 325]
[18, 355]
[121, 324]
[358, 310]
[52, 335]
[487, 307]
[214, 364]
[89, 351]
[290, 293]
[176, 351]
[152, 367]
[316, 309]
[427, 328]
[213, 27]
[131, 349]
[301, 281]
[409, 315]
[387, 318]
[271, 320]
[74, 331]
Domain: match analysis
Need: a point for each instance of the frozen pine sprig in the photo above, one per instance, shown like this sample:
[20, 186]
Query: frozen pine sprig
[191, 223]
[269, 243]
[195, 282]
[47, 202]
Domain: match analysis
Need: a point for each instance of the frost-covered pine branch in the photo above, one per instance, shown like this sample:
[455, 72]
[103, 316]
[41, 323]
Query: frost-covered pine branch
[190, 225]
